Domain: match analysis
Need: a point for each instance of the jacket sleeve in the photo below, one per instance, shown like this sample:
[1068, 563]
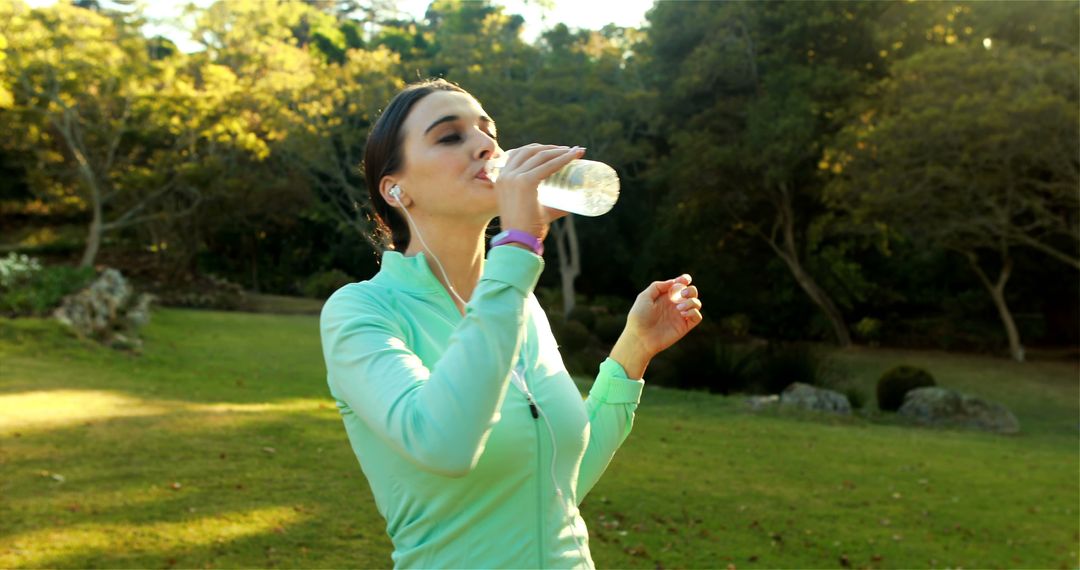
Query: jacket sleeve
[438, 418]
[611, 404]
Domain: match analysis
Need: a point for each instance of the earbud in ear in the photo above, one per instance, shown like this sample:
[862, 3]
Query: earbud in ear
[395, 192]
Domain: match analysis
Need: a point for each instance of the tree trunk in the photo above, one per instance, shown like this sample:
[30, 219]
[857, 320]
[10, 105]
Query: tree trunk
[785, 222]
[93, 238]
[566, 242]
[821, 299]
[997, 292]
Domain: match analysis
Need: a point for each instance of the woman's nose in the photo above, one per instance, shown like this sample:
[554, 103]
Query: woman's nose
[487, 148]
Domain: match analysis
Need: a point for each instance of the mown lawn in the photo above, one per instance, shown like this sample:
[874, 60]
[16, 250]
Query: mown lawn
[220, 447]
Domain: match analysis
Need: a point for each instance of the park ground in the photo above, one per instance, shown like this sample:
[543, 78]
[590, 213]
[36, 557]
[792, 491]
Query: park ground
[220, 447]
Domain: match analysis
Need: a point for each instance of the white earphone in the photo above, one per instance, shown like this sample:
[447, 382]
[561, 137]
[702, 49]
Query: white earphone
[518, 378]
[395, 193]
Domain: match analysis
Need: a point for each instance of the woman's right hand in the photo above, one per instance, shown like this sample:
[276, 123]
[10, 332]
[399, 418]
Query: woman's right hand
[518, 180]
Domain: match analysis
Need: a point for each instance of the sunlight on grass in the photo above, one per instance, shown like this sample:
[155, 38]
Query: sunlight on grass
[43, 547]
[59, 408]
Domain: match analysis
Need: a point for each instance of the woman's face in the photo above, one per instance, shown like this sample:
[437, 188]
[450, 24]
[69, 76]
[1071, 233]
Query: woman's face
[448, 138]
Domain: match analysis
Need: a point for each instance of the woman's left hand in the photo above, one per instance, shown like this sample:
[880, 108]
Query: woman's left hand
[663, 313]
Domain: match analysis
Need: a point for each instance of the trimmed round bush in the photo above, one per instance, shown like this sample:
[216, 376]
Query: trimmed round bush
[572, 335]
[897, 382]
[609, 327]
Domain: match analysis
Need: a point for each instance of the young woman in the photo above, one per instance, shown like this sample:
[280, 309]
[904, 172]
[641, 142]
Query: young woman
[475, 440]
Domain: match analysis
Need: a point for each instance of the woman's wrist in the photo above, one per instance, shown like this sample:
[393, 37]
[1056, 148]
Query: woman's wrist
[631, 355]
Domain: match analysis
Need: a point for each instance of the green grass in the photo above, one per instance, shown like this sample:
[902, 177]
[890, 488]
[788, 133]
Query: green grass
[234, 408]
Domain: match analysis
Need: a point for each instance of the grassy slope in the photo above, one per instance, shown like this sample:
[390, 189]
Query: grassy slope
[234, 408]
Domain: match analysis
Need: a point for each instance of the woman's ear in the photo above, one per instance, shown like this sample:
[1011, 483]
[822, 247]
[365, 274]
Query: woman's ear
[393, 194]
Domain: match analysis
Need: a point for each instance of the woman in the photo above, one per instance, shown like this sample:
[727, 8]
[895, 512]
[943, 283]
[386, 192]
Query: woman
[473, 437]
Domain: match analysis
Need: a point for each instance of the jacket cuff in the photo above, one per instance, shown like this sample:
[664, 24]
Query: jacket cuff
[514, 266]
[612, 386]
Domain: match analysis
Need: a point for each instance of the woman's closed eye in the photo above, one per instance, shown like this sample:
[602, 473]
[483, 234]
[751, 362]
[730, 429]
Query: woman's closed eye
[456, 138]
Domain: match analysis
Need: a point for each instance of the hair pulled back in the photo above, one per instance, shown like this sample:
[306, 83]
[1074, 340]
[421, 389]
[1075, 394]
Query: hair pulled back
[383, 156]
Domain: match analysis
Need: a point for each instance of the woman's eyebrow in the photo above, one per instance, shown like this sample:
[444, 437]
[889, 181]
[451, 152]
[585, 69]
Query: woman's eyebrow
[448, 118]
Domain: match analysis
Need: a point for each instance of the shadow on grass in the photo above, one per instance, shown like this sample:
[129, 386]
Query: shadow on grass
[189, 489]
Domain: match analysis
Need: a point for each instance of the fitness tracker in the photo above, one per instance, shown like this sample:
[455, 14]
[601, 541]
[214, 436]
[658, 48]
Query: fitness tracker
[518, 236]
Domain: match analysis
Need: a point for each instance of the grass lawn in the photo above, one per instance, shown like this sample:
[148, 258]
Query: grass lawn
[219, 447]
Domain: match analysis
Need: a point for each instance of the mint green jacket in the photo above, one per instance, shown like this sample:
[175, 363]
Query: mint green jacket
[458, 465]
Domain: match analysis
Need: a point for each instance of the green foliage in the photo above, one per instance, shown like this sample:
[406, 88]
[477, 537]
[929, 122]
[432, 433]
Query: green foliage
[323, 284]
[204, 292]
[725, 121]
[583, 314]
[897, 382]
[15, 267]
[868, 329]
[572, 334]
[608, 328]
[736, 325]
[36, 292]
[781, 364]
[733, 370]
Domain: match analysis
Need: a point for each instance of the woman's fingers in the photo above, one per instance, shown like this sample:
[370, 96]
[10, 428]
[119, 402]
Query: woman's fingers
[532, 167]
[555, 162]
[517, 156]
[657, 288]
[689, 304]
[693, 315]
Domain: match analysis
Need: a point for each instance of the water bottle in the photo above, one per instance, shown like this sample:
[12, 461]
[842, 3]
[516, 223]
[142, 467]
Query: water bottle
[583, 187]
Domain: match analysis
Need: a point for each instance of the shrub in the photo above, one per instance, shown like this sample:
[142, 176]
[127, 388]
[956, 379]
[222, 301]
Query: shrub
[781, 364]
[203, 292]
[33, 290]
[583, 314]
[868, 329]
[843, 384]
[572, 336]
[736, 325]
[15, 267]
[897, 382]
[323, 284]
[733, 370]
[608, 328]
[689, 364]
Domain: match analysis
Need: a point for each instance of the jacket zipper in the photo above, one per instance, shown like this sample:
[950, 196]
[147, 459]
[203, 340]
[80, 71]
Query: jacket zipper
[539, 488]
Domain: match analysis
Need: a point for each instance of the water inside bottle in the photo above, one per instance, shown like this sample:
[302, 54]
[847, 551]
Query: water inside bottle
[584, 187]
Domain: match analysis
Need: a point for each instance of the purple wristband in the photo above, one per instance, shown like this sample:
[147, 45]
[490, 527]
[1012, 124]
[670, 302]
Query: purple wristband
[518, 236]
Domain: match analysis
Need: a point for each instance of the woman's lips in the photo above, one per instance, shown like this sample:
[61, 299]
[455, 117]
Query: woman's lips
[483, 176]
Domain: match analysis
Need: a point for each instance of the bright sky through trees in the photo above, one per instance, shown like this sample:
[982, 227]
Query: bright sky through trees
[592, 14]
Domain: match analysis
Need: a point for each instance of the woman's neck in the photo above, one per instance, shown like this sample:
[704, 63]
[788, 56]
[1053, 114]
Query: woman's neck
[459, 247]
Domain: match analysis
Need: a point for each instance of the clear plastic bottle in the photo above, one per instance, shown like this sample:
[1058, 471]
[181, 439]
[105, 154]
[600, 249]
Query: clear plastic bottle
[584, 187]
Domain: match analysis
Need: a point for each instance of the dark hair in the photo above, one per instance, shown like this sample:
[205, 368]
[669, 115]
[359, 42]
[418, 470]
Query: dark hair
[383, 156]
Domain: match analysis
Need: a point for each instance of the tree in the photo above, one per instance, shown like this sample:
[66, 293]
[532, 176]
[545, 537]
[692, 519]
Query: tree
[752, 93]
[82, 87]
[972, 150]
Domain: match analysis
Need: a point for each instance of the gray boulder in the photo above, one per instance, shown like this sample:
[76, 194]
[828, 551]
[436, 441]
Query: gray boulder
[762, 402]
[107, 311]
[941, 407]
[809, 397]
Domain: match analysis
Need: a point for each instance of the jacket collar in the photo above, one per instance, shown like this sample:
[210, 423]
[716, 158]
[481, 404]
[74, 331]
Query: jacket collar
[407, 273]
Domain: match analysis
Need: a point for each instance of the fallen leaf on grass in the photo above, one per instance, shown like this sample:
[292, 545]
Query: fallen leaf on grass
[176, 486]
[270, 450]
